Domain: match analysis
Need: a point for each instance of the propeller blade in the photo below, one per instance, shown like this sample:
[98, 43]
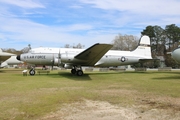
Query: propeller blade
[59, 58]
[52, 62]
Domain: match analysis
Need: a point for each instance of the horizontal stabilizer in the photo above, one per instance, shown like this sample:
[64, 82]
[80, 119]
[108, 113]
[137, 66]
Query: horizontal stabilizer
[168, 53]
[148, 60]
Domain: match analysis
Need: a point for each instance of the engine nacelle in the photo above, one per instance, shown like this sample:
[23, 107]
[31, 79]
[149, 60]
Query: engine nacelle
[57, 61]
[66, 66]
[67, 57]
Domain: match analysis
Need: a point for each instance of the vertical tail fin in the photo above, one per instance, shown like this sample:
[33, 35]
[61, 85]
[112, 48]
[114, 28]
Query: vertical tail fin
[144, 48]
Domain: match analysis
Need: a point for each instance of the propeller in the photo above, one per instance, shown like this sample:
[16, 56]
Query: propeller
[56, 60]
[59, 58]
[52, 62]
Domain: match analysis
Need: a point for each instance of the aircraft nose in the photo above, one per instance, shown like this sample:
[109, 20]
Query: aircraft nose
[18, 57]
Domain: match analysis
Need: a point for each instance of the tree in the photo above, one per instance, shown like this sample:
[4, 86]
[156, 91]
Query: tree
[79, 45]
[125, 42]
[12, 50]
[160, 40]
[149, 31]
[29, 46]
[173, 36]
[67, 46]
[26, 49]
[172, 39]
[163, 41]
[157, 37]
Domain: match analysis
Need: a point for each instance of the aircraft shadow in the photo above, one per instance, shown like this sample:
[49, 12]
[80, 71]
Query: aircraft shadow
[70, 76]
[85, 77]
[1, 71]
[168, 78]
[176, 76]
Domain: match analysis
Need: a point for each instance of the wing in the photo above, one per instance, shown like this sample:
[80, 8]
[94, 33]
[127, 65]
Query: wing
[4, 55]
[94, 53]
[3, 64]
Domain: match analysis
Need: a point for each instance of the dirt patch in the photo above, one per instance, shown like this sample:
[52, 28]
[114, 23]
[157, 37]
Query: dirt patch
[100, 110]
[160, 102]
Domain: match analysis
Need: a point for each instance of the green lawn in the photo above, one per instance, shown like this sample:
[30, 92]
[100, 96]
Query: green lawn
[31, 97]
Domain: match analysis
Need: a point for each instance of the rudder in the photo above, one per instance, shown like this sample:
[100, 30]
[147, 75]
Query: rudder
[144, 48]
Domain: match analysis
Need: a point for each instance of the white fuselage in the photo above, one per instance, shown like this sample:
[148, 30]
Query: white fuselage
[98, 54]
[49, 56]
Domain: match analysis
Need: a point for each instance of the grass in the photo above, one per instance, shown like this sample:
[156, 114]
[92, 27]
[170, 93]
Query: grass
[31, 97]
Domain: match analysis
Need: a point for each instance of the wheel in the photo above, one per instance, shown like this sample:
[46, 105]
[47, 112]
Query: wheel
[73, 71]
[79, 73]
[32, 72]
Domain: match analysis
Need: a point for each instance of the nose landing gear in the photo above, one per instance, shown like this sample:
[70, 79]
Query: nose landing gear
[32, 72]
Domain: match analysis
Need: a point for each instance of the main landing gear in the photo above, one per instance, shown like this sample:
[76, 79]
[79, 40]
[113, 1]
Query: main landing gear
[77, 71]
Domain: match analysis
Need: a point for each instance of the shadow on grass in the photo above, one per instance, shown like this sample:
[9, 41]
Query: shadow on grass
[70, 76]
[1, 71]
[11, 70]
[87, 75]
[168, 78]
[176, 76]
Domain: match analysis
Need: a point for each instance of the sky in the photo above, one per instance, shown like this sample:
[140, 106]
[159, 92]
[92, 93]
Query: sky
[54, 23]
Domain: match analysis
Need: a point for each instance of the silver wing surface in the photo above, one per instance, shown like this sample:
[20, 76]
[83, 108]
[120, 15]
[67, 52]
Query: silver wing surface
[93, 54]
[4, 55]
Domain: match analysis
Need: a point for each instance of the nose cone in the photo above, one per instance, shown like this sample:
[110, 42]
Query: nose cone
[18, 57]
[176, 55]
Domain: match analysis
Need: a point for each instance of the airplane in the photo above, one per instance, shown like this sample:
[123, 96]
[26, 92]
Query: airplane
[4, 56]
[176, 54]
[97, 55]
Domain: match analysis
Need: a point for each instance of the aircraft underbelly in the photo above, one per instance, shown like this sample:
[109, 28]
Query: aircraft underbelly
[116, 61]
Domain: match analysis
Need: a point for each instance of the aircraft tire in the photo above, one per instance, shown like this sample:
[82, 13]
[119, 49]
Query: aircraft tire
[73, 71]
[32, 72]
[79, 73]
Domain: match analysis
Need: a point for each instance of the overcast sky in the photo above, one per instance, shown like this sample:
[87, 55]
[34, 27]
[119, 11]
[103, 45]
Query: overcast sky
[54, 23]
